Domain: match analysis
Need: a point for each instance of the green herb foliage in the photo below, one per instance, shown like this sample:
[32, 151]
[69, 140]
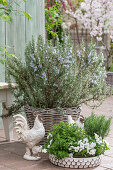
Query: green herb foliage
[65, 140]
[62, 135]
[97, 124]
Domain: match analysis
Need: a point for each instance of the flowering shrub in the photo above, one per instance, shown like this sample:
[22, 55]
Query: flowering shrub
[96, 16]
[56, 76]
[69, 141]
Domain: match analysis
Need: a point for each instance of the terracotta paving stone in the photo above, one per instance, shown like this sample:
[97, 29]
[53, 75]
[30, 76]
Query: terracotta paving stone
[100, 168]
[17, 148]
[2, 140]
[106, 108]
[109, 152]
[9, 158]
[2, 135]
[6, 168]
[110, 140]
[3, 152]
[107, 162]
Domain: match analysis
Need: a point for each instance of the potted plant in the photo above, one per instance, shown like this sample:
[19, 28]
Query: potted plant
[55, 79]
[69, 146]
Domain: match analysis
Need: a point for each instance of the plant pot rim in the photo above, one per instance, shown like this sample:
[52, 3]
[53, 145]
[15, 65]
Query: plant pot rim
[76, 163]
[78, 157]
[109, 72]
[54, 108]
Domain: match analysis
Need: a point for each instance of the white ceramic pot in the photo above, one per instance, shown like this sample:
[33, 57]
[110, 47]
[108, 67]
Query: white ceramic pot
[76, 162]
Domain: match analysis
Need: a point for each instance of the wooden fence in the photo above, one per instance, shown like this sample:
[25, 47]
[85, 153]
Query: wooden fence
[16, 34]
[19, 32]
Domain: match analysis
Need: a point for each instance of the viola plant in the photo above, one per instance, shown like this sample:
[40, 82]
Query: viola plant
[89, 147]
[65, 140]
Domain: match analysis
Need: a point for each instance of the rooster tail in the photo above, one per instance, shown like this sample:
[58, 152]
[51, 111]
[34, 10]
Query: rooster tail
[20, 125]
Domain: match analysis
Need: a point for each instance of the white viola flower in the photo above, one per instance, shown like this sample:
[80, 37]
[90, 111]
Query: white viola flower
[44, 151]
[48, 146]
[100, 138]
[98, 141]
[50, 141]
[81, 146]
[71, 147]
[96, 136]
[70, 155]
[85, 140]
[88, 150]
[80, 141]
[86, 145]
[76, 149]
[49, 135]
[92, 145]
[92, 151]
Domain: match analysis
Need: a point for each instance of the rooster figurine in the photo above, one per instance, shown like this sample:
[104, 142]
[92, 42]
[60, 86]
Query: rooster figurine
[30, 136]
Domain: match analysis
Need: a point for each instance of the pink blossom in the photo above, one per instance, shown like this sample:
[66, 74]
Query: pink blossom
[96, 16]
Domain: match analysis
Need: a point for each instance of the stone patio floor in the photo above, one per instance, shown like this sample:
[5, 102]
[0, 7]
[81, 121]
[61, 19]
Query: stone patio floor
[11, 153]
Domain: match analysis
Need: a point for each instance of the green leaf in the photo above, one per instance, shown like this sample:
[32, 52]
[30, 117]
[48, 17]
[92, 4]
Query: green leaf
[6, 18]
[27, 15]
[2, 61]
[1, 13]
[3, 2]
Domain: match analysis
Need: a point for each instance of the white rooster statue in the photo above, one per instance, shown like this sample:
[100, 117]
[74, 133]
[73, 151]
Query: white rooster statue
[30, 136]
[79, 122]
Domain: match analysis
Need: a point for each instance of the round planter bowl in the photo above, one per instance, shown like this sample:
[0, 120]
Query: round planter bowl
[76, 162]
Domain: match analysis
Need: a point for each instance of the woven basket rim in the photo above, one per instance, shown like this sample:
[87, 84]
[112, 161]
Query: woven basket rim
[55, 108]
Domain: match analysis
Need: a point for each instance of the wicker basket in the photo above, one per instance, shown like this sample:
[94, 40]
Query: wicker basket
[50, 117]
